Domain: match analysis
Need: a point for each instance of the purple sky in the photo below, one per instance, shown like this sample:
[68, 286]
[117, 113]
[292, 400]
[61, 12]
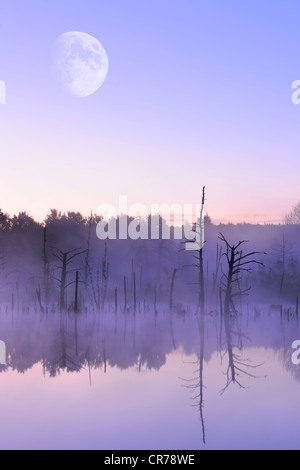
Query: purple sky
[198, 93]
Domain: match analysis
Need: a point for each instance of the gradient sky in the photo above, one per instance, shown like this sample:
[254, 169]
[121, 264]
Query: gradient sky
[198, 93]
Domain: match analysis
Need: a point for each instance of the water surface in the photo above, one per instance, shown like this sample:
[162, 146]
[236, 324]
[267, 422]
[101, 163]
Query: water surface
[148, 381]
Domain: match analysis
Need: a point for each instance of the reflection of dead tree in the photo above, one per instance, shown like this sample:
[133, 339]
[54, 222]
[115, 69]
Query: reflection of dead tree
[201, 368]
[199, 257]
[65, 259]
[66, 358]
[196, 385]
[125, 294]
[237, 365]
[237, 264]
[171, 308]
[39, 297]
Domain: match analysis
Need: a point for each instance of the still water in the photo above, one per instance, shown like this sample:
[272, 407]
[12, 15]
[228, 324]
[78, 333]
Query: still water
[149, 381]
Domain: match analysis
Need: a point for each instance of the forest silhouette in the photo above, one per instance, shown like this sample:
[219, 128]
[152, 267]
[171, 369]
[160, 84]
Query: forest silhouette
[140, 270]
[70, 301]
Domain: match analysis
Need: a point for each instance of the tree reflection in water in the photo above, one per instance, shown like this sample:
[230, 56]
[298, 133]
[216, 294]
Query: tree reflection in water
[91, 341]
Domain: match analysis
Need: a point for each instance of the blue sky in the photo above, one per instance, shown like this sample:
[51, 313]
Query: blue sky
[198, 93]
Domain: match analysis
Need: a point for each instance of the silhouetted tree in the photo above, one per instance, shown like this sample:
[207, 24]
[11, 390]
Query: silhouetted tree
[237, 263]
[282, 250]
[293, 217]
[23, 221]
[65, 259]
[5, 222]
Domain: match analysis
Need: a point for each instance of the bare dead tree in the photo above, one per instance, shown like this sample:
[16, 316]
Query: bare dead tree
[76, 293]
[283, 250]
[199, 230]
[46, 267]
[197, 386]
[199, 265]
[87, 256]
[172, 289]
[65, 259]
[218, 265]
[116, 300]
[237, 263]
[201, 270]
[293, 217]
[125, 294]
[134, 293]
[105, 274]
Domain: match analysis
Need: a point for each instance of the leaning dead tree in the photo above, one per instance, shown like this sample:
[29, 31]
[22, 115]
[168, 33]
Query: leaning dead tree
[237, 264]
[65, 259]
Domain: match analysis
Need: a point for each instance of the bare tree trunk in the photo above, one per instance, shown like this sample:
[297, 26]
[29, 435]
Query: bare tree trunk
[98, 291]
[105, 273]
[172, 289]
[65, 258]
[125, 294]
[155, 299]
[237, 264]
[116, 300]
[141, 282]
[87, 257]
[134, 292]
[46, 267]
[63, 280]
[76, 293]
[201, 268]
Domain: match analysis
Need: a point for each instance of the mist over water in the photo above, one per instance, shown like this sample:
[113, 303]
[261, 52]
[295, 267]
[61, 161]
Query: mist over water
[158, 320]
[104, 336]
[78, 381]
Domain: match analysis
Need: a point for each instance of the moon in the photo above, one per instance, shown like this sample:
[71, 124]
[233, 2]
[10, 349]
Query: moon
[80, 63]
